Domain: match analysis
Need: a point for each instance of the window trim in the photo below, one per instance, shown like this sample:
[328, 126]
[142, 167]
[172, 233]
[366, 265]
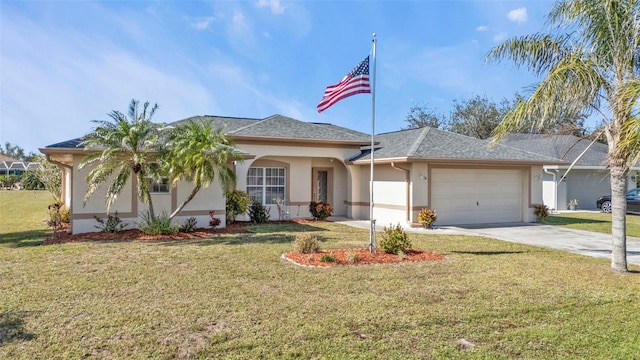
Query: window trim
[164, 181]
[263, 187]
[267, 162]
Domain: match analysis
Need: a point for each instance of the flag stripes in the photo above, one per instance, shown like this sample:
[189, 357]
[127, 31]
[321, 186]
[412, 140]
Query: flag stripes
[355, 82]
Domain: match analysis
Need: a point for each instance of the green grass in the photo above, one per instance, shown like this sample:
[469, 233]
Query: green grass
[23, 216]
[234, 297]
[593, 221]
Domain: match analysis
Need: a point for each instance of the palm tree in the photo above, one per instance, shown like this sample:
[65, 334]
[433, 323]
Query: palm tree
[196, 152]
[125, 146]
[589, 63]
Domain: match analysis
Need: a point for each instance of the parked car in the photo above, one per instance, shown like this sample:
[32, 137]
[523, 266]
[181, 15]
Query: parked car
[633, 202]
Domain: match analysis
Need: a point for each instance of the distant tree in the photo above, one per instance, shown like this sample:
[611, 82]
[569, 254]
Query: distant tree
[559, 120]
[16, 152]
[421, 116]
[478, 116]
[50, 176]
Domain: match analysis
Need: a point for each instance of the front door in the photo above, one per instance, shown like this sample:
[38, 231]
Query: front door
[322, 186]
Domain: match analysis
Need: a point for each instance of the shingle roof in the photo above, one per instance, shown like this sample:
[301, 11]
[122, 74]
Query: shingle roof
[565, 147]
[69, 144]
[273, 127]
[431, 143]
[278, 126]
[6, 158]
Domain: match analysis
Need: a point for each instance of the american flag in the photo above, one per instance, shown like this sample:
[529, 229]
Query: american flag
[356, 82]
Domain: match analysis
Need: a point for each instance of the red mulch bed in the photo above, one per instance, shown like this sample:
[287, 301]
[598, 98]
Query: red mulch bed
[62, 236]
[364, 257]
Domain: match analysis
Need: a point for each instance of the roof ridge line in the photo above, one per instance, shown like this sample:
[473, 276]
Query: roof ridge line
[416, 144]
[254, 124]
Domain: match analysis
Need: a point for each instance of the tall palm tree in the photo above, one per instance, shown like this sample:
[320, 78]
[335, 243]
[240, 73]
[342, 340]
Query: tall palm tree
[196, 152]
[126, 146]
[589, 62]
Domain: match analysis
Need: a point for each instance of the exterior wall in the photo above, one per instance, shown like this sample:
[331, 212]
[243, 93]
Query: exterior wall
[129, 208]
[95, 205]
[549, 193]
[390, 196]
[300, 162]
[532, 192]
[419, 189]
[391, 189]
[67, 180]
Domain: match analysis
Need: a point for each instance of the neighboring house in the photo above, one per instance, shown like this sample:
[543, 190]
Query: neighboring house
[299, 162]
[586, 181]
[11, 166]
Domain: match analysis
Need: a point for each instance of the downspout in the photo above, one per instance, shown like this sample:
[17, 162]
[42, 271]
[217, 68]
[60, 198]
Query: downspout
[407, 192]
[555, 187]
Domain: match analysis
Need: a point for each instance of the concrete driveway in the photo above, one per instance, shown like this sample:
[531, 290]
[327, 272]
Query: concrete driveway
[576, 241]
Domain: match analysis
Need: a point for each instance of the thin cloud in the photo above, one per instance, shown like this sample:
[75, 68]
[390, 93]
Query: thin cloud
[203, 23]
[518, 15]
[274, 5]
[500, 37]
[482, 28]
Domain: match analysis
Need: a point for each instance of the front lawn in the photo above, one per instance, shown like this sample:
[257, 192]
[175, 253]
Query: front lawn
[232, 296]
[593, 221]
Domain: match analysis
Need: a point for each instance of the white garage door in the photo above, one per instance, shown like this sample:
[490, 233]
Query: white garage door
[465, 196]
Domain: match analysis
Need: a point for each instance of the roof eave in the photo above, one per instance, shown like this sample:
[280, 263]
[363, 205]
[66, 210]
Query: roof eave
[270, 139]
[456, 161]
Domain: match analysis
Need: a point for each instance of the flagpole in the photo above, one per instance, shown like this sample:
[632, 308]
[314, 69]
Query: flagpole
[372, 222]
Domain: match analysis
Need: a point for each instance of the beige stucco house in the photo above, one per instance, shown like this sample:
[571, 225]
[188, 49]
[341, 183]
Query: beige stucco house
[589, 177]
[461, 177]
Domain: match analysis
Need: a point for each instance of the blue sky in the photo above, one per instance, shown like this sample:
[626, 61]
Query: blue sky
[65, 63]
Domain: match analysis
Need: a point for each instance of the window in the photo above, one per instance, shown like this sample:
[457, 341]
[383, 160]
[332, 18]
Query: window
[160, 186]
[266, 184]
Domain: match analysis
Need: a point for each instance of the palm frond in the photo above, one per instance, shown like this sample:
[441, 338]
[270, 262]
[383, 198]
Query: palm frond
[539, 52]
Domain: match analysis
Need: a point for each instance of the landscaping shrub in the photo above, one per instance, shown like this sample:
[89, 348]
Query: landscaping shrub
[214, 222]
[394, 240]
[190, 225]
[30, 181]
[541, 211]
[113, 224]
[258, 213]
[237, 203]
[161, 225]
[57, 215]
[306, 244]
[427, 217]
[353, 257]
[320, 210]
[328, 258]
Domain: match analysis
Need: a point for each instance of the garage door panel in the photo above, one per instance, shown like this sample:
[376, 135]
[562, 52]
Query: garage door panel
[472, 196]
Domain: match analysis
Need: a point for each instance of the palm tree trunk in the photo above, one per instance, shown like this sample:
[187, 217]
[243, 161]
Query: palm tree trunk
[146, 194]
[185, 202]
[619, 218]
